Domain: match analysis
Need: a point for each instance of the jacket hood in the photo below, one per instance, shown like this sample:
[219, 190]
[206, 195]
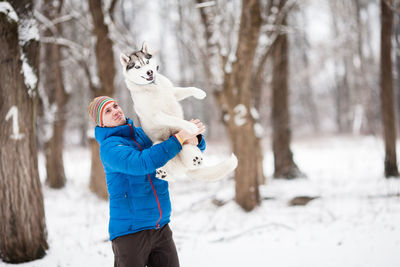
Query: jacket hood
[102, 133]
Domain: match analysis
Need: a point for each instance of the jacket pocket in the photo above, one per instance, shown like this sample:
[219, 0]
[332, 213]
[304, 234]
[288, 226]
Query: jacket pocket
[127, 199]
[120, 208]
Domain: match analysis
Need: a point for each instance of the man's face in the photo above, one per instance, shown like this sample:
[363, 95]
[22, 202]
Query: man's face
[113, 115]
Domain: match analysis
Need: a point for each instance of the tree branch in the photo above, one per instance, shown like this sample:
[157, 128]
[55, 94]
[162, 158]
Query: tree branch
[112, 8]
[395, 7]
[237, 235]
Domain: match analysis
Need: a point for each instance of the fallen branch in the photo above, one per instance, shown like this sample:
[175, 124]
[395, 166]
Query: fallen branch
[237, 235]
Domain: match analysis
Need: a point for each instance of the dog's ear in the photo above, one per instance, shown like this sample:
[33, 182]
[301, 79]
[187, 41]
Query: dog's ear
[145, 48]
[124, 59]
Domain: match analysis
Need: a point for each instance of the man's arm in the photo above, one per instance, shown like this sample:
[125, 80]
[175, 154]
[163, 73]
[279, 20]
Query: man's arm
[122, 158]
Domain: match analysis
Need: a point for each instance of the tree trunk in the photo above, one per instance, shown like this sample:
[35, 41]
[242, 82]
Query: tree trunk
[22, 223]
[397, 60]
[98, 177]
[235, 100]
[387, 97]
[106, 73]
[54, 88]
[249, 171]
[241, 124]
[283, 157]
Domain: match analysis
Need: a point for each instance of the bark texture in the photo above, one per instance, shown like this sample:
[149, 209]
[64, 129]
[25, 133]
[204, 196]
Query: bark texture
[106, 73]
[22, 224]
[387, 96]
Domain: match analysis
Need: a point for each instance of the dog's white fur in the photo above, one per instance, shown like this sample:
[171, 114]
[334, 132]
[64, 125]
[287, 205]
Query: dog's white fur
[156, 102]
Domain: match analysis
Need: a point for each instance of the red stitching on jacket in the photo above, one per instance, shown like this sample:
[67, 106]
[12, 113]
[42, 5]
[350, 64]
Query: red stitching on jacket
[148, 175]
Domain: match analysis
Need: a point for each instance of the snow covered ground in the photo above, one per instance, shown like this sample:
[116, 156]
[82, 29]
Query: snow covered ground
[354, 222]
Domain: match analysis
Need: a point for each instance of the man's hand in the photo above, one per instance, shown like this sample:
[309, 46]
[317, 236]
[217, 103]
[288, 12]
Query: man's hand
[188, 138]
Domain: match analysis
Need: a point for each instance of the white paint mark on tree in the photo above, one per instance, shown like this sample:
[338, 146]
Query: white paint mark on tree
[240, 114]
[13, 112]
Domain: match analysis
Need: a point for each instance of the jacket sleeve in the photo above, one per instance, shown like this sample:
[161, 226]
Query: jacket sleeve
[117, 157]
[202, 142]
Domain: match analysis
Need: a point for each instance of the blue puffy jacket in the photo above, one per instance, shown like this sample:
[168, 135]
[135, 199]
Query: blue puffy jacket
[138, 200]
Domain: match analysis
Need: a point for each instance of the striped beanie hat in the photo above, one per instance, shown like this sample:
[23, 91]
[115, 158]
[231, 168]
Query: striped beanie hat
[96, 108]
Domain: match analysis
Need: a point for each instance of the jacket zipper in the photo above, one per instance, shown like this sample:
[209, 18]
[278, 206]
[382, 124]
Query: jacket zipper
[151, 183]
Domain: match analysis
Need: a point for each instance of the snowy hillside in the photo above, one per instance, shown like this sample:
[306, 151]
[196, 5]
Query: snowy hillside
[354, 222]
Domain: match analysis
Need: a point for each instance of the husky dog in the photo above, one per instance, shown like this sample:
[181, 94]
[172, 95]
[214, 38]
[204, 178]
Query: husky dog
[156, 102]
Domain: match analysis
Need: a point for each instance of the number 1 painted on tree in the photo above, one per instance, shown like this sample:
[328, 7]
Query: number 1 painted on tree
[13, 112]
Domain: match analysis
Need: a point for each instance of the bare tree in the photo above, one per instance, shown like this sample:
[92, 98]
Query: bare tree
[397, 60]
[22, 225]
[283, 156]
[106, 74]
[387, 96]
[235, 98]
[56, 97]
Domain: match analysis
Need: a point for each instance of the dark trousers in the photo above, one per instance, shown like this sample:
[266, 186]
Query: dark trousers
[152, 248]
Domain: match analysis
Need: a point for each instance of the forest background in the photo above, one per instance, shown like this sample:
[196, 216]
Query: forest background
[319, 74]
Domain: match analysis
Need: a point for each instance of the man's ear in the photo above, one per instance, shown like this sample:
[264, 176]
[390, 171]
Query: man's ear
[145, 48]
[124, 59]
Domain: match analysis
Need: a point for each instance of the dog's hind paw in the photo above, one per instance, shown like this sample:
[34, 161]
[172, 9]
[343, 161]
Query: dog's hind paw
[161, 174]
[197, 161]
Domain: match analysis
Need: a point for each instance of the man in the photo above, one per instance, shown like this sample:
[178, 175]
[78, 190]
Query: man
[140, 206]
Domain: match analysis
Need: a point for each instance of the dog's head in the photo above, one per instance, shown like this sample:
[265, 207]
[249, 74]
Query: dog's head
[139, 67]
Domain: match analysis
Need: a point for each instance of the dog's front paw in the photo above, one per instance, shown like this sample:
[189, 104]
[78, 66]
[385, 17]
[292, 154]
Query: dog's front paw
[161, 174]
[198, 93]
[191, 128]
[197, 161]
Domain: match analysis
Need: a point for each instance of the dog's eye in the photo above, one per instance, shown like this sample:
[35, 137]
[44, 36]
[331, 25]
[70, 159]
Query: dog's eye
[147, 62]
[137, 67]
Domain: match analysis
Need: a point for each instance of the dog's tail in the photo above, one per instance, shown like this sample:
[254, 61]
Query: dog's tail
[216, 172]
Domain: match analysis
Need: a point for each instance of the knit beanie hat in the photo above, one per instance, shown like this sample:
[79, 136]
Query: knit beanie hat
[96, 108]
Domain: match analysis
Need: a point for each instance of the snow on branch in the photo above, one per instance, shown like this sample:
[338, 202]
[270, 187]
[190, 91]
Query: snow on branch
[7, 9]
[205, 4]
[27, 31]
